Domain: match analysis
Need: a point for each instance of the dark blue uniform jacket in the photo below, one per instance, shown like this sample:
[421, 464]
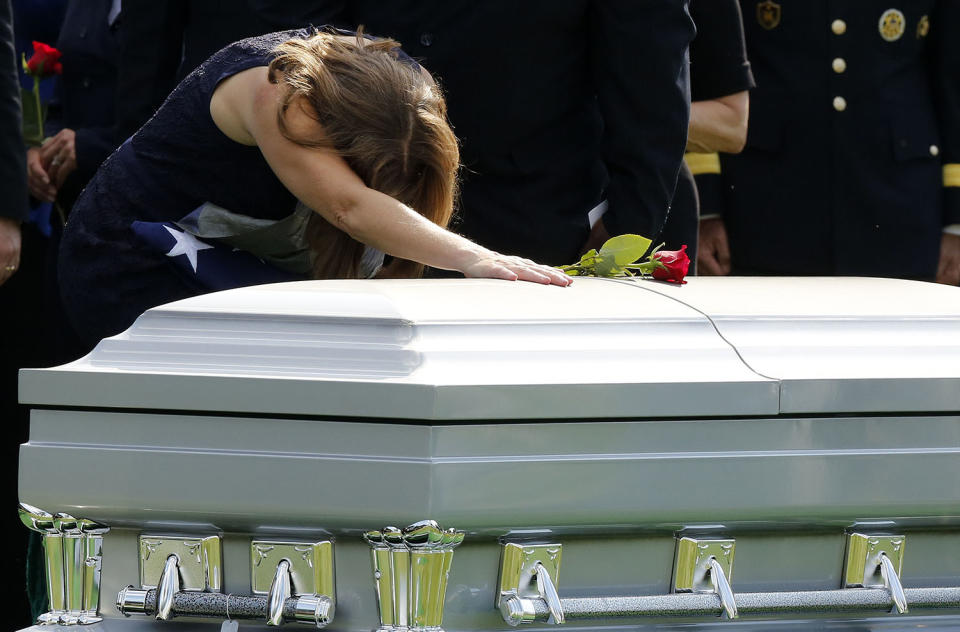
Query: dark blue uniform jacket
[854, 133]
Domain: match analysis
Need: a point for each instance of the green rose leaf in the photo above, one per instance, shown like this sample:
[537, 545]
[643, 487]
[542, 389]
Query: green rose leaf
[606, 265]
[619, 257]
[624, 249]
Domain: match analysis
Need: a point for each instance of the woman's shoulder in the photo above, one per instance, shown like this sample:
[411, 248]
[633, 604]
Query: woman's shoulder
[246, 53]
[263, 45]
[187, 113]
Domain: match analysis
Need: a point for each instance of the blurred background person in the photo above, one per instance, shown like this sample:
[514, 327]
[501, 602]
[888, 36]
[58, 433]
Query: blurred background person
[12, 185]
[164, 40]
[720, 80]
[557, 104]
[24, 249]
[80, 134]
[81, 125]
[851, 164]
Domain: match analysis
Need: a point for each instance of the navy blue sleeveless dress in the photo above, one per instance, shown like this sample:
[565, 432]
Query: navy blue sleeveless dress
[177, 162]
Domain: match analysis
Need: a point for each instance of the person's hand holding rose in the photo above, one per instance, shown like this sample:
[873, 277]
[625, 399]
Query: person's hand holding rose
[38, 180]
[59, 156]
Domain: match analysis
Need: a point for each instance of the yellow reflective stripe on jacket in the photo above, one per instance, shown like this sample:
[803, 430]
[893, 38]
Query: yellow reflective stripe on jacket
[709, 163]
[951, 175]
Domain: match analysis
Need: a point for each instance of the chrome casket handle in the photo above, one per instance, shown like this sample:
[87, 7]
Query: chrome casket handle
[279, 593]
[168, 587]
[722, 587]
[291, 581]
[891, 581]
[701, 586]
[705, 565]
[874, 561]
[548, 592]
[846, 600]
[310, 609]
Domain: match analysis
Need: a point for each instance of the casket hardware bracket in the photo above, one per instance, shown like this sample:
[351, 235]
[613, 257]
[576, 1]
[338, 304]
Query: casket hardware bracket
[701, 586]
[170, 565]
[198, 561]
[875, 561]
[73, 555]
[303, 570]
[706, 565]
[185, 564]
[529, 572]
[182, 576]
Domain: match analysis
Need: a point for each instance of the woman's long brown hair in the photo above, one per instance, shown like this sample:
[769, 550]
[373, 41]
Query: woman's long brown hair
[386, 118]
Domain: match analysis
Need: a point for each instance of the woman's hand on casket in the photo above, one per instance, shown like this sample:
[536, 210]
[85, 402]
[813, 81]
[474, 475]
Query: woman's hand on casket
[496, 266]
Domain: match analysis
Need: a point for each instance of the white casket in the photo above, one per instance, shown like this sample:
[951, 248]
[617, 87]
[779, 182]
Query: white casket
[752, 449]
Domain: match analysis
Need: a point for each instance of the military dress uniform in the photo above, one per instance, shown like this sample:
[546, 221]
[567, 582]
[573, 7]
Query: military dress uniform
[851, 164]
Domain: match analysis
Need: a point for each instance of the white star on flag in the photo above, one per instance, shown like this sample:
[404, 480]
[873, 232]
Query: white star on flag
[186, 244]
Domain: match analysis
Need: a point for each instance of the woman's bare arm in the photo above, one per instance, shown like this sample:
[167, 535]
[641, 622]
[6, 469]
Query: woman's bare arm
[719, 124]
[325, 183]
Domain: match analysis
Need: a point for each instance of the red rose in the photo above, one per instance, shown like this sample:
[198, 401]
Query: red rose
[44, 62]
[673, 265]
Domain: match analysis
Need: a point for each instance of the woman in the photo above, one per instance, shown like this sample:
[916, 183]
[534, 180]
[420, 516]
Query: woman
[349, 126]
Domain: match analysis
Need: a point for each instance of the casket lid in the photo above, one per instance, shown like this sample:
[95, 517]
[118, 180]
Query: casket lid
[425, 349]
[484, 349]
[841, 344]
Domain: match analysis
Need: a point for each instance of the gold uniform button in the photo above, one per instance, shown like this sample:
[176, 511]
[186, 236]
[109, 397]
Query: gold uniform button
[839, 27]
[839, 65]
[934, 150]
[839, 104]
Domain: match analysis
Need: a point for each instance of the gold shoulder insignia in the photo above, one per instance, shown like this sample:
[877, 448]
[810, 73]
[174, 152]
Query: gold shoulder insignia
[923, 26]
[892, 25]
[768, 14]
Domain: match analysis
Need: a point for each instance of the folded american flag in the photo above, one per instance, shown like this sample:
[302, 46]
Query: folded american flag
[207, 266]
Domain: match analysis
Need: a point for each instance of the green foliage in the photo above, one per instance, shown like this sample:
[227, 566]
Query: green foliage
[619, 256]
[625, 249]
